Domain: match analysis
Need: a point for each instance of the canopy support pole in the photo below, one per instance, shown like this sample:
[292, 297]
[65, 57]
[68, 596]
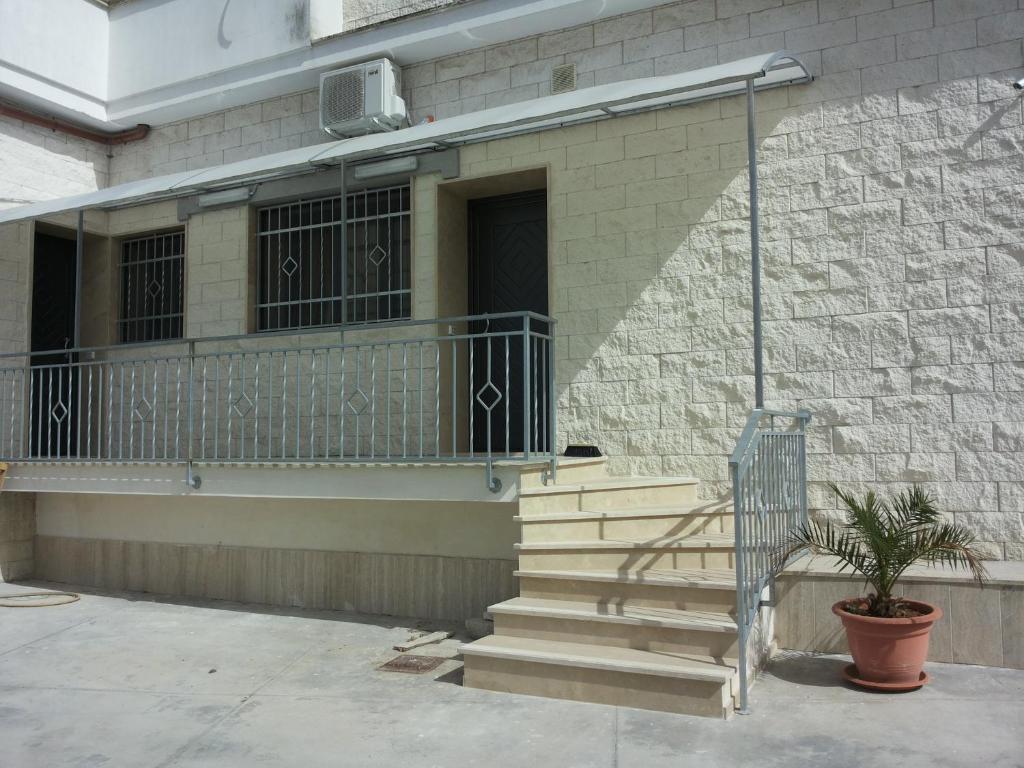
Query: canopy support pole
[79, 257]
[343, 243]
[755, 247]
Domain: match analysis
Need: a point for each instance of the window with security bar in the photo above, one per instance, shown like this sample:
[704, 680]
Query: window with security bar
[152, 287]
[305, 281]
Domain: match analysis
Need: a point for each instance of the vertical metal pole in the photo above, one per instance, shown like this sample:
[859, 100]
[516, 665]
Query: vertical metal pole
[343, 243]
[755, 246]
[79, 257]
[741, 603]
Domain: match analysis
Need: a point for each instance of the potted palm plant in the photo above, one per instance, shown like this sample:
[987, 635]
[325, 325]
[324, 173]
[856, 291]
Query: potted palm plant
[887, 633]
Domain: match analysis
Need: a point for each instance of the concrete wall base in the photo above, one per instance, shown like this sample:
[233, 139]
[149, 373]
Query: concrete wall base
[980, 625]
[421, 586]
[17, 529]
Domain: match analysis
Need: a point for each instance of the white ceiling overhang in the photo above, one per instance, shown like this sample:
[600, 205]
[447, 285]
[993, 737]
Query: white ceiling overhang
[588, 104]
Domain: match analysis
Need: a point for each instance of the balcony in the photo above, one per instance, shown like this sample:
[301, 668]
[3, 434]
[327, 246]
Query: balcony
[470, 393]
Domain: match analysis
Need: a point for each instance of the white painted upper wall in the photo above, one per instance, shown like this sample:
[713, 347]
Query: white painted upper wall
[169, 60]
[55, 52]
[156, 43]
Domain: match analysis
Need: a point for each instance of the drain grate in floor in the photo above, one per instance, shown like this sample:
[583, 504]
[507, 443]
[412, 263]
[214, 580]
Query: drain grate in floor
[411, 664]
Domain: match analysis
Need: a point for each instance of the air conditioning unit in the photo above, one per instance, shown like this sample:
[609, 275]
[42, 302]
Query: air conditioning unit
[362, 99]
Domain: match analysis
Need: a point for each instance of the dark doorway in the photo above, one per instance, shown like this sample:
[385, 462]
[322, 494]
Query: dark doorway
[508, 272]
[53, 415]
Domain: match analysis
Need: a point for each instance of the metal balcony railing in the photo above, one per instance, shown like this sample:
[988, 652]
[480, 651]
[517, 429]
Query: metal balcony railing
[476, 388]
[768, 469]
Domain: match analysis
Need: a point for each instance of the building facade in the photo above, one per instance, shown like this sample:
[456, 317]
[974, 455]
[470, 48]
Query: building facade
[892, 242]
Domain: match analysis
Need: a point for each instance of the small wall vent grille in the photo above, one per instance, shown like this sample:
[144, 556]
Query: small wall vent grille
[563, 78]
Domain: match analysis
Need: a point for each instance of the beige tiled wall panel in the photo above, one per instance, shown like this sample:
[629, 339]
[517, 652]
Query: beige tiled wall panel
[422, 586]
[979, 625]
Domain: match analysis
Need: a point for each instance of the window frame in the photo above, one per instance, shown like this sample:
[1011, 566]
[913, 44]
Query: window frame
[177, 262]
[344, 273]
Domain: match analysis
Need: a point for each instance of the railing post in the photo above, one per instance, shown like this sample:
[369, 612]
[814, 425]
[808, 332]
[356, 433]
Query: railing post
[552, 405]
[526, 386]
[192, 480]
[741, 592]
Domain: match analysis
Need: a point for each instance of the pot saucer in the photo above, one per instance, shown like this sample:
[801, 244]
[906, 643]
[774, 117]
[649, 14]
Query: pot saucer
[851, 675]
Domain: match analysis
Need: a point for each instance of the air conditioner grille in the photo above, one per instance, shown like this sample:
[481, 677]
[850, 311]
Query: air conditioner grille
[343, 97]
[563, 78]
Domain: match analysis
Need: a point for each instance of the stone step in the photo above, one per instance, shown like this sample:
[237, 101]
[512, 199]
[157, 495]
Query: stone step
[570, 471]
[711, 550]
[695, 589]
[663, 630]
[668, 682]
[637, 523]
[614, 493]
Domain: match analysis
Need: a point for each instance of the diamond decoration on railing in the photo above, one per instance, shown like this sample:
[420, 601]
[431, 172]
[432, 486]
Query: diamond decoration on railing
[493, 395]
[144, 409]
[242, 405]
[357, 402]
[154, 288]
[378, 255]
[289, 265]
[59, 412]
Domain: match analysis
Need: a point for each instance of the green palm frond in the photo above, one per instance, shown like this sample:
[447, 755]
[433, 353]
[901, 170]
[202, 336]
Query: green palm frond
[881, 540]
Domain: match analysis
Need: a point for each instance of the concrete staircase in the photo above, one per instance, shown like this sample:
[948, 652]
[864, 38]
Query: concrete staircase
[626, 597]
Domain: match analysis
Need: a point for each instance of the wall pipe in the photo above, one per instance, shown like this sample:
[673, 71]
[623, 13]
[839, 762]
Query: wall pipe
[137, 133]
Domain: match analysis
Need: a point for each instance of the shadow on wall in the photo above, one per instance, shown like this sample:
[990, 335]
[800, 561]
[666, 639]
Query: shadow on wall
[666, 383]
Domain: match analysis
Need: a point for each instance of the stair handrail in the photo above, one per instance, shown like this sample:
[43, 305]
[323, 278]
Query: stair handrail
[768, 470]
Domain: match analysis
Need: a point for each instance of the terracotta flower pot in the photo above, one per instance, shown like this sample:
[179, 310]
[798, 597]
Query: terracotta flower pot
[888, 654]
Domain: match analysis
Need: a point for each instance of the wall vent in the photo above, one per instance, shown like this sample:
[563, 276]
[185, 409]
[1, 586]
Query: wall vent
[563, 78]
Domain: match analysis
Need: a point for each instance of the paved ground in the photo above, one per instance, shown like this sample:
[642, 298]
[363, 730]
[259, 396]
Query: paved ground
[125, 680]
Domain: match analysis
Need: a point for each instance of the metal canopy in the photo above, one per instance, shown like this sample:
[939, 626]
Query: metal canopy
[599, 102]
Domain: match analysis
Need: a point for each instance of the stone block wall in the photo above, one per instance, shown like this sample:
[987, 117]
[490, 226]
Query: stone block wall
[40, 164]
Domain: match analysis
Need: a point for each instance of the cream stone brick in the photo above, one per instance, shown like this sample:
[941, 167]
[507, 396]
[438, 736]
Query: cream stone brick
[858, 55]
[823, 194]
[906, 239]
[716, 132]
[1009, 376]
[884, 23]
[982, 60]
[863, 162]
[886, 326]
[938, 39]
[952, 263]
[915, 352]
[902, 296]
[864, 217]
[1000, 28]
[896, 184]
[656, 191]
[595, 201]
[641, 218]
[952, 378]
[987, 347]
[955, 322]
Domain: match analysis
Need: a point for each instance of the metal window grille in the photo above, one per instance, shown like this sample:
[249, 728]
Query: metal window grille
[152, 287]
[304, 280]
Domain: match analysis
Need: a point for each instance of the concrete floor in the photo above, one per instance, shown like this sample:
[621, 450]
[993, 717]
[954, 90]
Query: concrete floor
[130, 680]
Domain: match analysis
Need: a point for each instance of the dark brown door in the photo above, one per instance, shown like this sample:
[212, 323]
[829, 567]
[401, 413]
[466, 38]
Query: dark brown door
[508, 272]
[53, 415]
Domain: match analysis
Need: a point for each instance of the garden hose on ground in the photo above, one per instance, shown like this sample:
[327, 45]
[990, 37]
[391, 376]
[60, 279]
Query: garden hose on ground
[38, 599]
